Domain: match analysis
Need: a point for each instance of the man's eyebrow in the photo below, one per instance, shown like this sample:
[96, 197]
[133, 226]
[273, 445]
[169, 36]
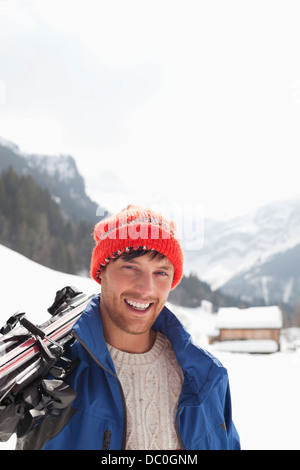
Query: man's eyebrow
[133, 260]
[165, 267]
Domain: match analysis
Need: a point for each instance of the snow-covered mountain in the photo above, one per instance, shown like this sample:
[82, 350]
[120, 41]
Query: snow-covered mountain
[276, 280]
[62, 166]
[58, 174]
[251, 255]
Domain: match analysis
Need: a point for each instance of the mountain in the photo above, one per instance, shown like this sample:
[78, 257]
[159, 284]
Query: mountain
[45, 213]
[58, 174]
[191, 292]
[32, 223]
[276, 280]
[253, 256]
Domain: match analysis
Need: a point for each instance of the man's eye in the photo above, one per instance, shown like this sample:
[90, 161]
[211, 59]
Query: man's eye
[162, 273]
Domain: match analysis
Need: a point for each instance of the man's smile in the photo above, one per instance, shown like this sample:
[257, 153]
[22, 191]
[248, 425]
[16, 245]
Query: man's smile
[138, 304]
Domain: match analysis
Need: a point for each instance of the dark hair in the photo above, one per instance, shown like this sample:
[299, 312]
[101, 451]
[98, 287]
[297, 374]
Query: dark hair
[141, 252]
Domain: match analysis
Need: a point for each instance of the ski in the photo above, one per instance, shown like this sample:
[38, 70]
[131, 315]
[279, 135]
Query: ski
[25, 347]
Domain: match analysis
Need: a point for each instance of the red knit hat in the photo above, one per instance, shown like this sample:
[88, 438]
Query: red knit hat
[133, 229]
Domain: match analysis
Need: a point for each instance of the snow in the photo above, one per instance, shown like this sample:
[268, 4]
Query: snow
[249, 346]
[30, 287]
[288, 290]
[253, 317]
[9, 144]
[264, 285]
[265, 388]
[53, 165]
[217, 276]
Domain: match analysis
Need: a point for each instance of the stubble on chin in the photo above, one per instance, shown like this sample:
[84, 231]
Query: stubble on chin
[114, 315]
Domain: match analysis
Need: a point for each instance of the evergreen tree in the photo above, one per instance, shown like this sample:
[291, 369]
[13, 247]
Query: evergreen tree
[32, 223]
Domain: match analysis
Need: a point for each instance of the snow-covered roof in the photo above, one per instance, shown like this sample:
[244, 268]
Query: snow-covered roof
[254, 317]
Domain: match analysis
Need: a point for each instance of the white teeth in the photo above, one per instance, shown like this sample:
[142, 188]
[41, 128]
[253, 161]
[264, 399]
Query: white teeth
[137, 305]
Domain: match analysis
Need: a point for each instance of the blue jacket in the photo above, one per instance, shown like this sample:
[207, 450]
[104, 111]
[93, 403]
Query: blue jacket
[97, 417]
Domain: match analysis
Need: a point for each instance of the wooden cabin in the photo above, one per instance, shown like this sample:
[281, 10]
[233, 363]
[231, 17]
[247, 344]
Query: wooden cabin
[255, 329]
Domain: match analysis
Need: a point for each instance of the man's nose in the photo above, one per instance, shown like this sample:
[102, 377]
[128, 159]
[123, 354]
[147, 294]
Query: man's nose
[144, 284]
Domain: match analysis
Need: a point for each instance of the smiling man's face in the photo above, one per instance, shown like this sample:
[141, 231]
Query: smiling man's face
[133, 293]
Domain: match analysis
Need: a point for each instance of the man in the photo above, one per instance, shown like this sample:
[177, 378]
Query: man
[140, 382]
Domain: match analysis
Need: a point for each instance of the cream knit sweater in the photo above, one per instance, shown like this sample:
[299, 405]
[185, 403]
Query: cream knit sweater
[152, 384]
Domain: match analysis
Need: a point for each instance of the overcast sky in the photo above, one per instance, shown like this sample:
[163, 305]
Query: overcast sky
[183, 100]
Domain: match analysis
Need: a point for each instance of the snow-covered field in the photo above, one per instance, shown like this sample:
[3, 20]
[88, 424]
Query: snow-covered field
[265, 389]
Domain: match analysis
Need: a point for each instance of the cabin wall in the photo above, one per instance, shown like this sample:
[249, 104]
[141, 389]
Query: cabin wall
[240, 334]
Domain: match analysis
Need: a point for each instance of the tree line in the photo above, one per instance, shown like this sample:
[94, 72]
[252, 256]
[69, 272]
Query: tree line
[32, 224]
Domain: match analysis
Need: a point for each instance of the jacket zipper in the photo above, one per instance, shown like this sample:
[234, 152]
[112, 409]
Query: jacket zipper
[118, 381]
